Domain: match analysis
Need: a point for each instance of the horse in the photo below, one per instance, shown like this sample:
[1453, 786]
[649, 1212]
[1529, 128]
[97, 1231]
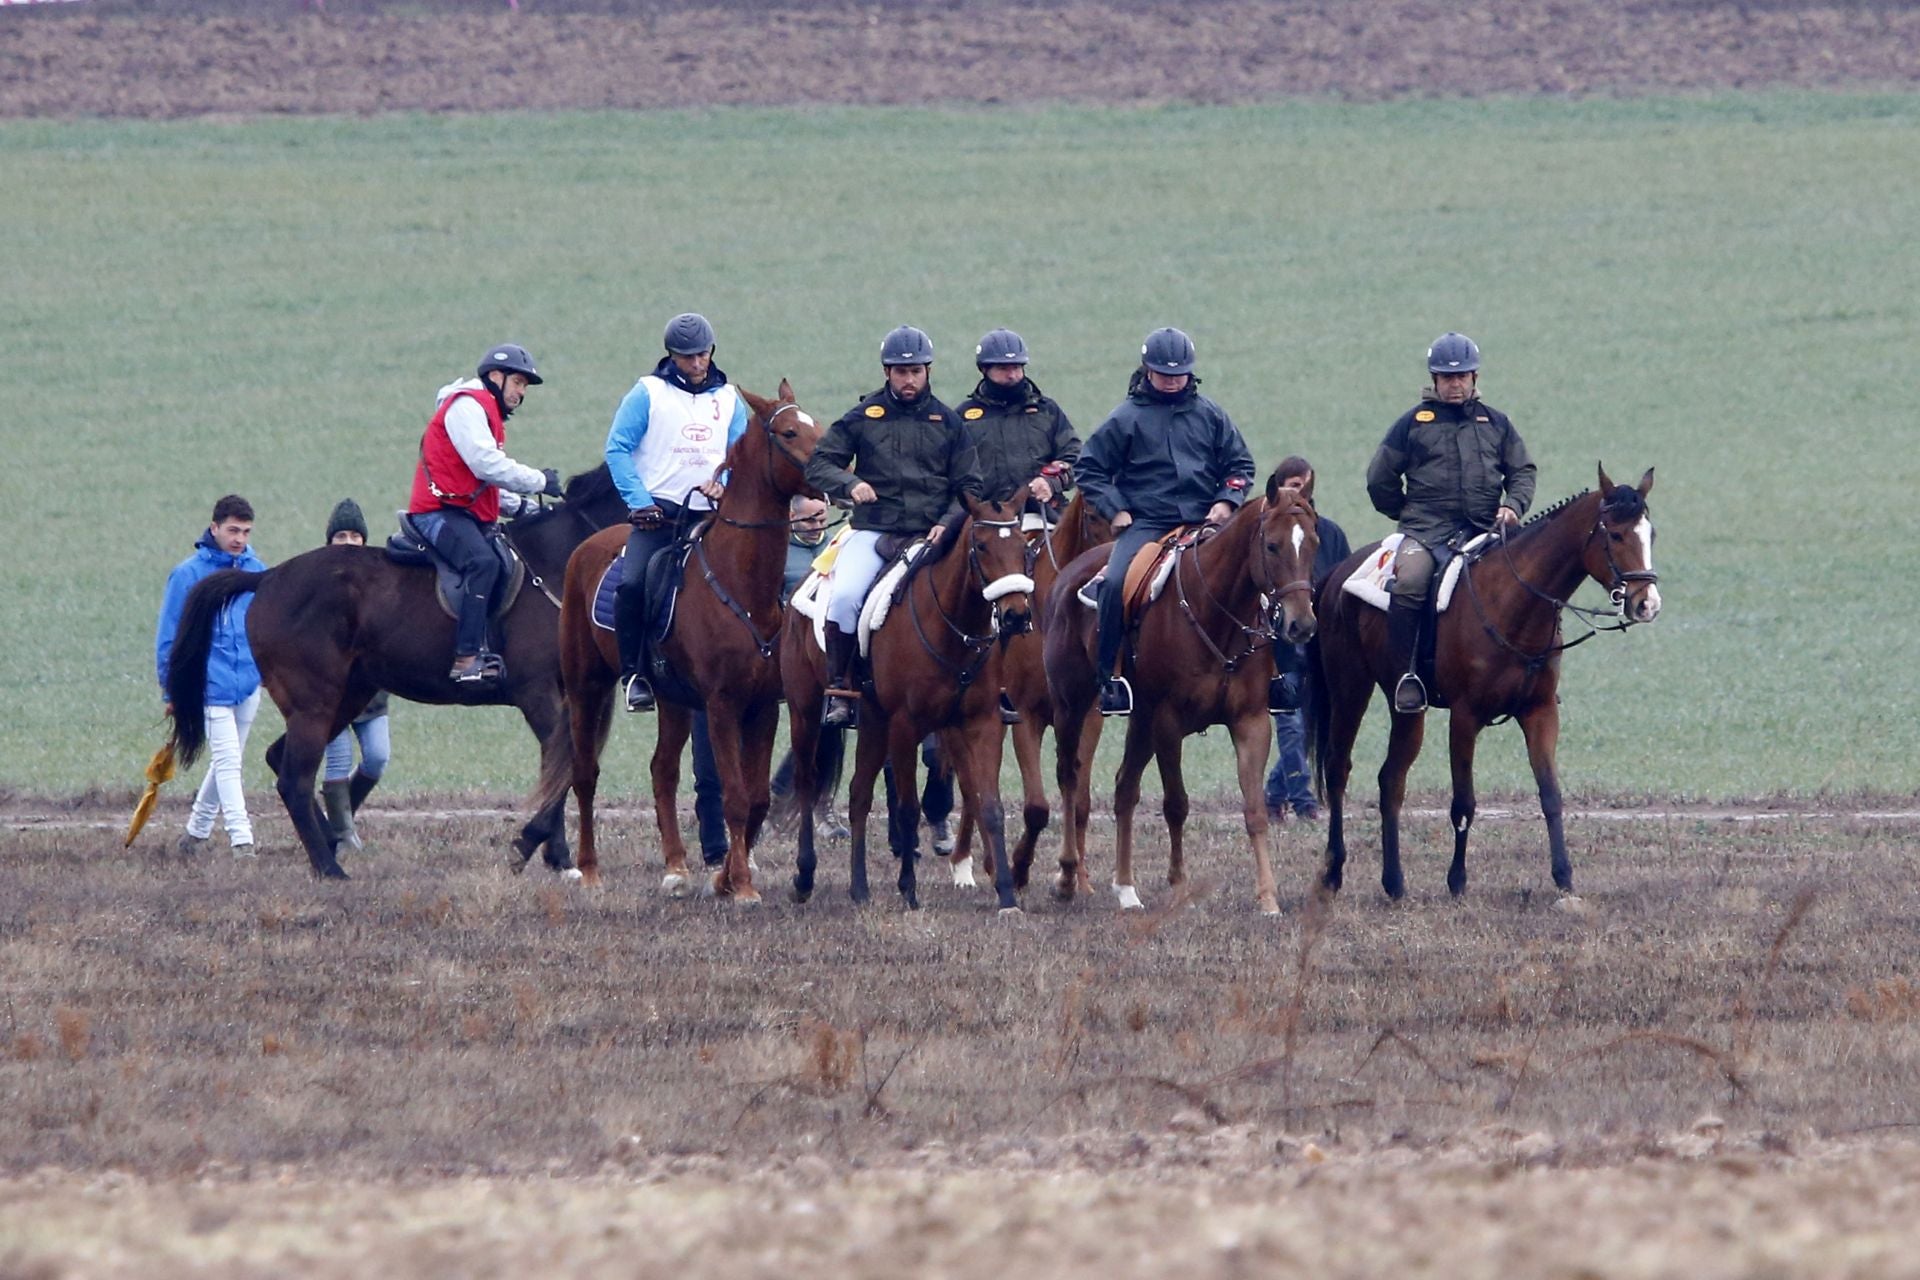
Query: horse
[1023, 675]
[934, 666]
[332, 626]
[1496, 655]
[724, 645]
[1201, 657]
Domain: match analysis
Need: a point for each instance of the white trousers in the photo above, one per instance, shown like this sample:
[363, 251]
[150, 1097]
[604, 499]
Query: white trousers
[220, 793]
[855, 566]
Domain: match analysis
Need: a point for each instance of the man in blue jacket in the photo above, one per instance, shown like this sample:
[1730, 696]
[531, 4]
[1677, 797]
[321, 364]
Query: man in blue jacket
[1167, 456]
[233, 681]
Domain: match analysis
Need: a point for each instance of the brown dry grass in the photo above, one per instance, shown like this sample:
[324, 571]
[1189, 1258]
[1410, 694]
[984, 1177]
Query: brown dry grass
[441, 1069]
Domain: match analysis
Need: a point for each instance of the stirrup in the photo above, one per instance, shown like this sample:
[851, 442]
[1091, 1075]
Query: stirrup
[639, 693]
[1116, 697]
[1409, 695]
[487, 667]
[1009, 714]
[842, 709]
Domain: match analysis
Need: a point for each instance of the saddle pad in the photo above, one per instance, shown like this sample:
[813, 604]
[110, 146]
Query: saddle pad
[823, 563]
[1147, 575]
[610, 579]
[880, 596]
[810, 600]
[1373, 580]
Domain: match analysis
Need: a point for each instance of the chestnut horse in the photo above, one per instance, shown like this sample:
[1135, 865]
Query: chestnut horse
[332, 626]
[1023, 674]
[934, 666]
[724, 643]
[1202, 657]
[1496, 654]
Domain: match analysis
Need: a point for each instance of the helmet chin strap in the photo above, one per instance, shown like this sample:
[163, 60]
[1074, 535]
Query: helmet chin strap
[499, 393]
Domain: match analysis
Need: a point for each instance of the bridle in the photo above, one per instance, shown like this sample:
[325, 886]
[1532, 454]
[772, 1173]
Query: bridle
[977, 646]
[1622, 582]
[1256, 636]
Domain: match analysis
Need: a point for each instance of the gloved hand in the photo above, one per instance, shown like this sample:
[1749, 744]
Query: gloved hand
[554, 488]
[646, 517]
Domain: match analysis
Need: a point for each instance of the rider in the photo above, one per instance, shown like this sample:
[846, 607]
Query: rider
[465, 482]
[1166, 456]
[668, 441]
[906, 462]
[1024, 438]
[1439, 474]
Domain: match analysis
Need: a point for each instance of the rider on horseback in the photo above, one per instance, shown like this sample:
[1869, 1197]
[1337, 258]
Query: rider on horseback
[669, 439]
[905, 461]
[458, 491]
[1439, 474]
[1166, 456]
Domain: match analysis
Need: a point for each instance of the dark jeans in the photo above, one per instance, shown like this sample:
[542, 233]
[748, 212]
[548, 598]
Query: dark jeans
[1113, 599]
[463, 541]
[709, 807]
[1290, 784]
[936, 799]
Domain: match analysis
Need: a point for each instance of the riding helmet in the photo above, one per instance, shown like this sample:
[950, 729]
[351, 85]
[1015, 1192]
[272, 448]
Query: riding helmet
[1002, 346]
[510, 357]
[906, 345]
[1453, 353]
[1168, 351]
[688, 334]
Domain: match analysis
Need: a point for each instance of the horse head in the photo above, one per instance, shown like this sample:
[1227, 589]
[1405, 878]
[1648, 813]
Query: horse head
[1282, 559]
[997, 555]
[789, 436]
[1619, 552]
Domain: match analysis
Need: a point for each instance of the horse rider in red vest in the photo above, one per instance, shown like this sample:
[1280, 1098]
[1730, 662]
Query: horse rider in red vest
[465, 482]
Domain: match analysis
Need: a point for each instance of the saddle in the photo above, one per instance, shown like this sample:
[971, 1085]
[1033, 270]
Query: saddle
[1148, 572]
[902, 554]
[1372, 581]
[410, 547]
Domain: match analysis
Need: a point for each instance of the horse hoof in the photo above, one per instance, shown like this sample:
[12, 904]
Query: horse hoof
[676, 884]
[1129, 898]
[714, 886]
[963, 874]
[591, 878]
[333, 871]
[1571, 904]
[1269, 905]
[573, 875]
[1063, 888]
[748, 897]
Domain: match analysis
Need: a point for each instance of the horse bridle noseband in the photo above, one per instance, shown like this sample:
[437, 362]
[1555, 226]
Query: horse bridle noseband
[1623, 581]
[978, 646]
[1257, 637]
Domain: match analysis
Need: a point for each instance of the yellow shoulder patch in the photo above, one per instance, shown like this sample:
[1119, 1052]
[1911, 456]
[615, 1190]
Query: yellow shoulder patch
[1425, 415]
[972, 414]
[875, 411]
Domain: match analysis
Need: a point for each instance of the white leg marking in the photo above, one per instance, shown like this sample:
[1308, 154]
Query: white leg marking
[1129, 899]
[963, 874]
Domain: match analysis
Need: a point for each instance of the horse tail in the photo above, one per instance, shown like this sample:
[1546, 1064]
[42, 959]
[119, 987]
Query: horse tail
[1316, 715]
[192, 646]
[556, 770]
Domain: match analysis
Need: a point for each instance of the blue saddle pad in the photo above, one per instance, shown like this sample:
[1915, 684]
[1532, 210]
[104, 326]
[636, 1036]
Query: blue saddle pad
[603, 594]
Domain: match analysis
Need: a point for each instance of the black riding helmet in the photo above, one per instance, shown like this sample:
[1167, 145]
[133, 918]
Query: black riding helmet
[1001, 346]
[906, 345]
[507, 357]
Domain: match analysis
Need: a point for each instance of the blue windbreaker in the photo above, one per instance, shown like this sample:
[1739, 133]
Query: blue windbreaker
[231, 675]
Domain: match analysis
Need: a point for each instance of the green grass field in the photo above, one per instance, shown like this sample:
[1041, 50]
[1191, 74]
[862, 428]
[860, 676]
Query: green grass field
[1722, 288]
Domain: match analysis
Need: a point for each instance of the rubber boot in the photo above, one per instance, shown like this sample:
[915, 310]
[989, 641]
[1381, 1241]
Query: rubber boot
[359, 786]
[1403, 634]
[841, 695]
[337, 796]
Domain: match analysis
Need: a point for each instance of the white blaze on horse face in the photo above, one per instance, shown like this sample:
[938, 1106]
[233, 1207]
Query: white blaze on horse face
[1299, 538]
[804, 416]
[1649, 603]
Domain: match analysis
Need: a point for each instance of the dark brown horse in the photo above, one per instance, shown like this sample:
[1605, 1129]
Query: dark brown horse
[1497, 654]
[935, 666]
[1202, 657]
[724, 645]
[332, 626]
[1023, 673]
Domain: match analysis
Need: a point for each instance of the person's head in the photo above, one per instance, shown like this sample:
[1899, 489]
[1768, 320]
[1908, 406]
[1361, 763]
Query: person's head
[508, 371]
[1001, 357]
[690, 345]
[907, 356]
[1294, 473]
[347, 526]
[808, 517]
[1454, 362]
[1168, 357]
[232, 524]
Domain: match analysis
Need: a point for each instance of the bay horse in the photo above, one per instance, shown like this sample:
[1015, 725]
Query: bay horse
[935, 666]
[1023, 674]
[1496, 655]
[1202, 657]
[724, 644]
[333, 625]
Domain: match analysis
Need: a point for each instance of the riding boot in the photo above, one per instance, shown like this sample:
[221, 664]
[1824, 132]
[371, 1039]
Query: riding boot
[841, 695]
[1116, 693]
[1403, 635]
[630, 630]
[337, 796]
[359, 786]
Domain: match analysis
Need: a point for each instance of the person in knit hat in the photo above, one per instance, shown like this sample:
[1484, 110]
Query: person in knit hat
[343, 787]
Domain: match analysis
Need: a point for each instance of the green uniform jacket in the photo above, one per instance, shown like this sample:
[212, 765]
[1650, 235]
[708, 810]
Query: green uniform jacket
[1442, 469]
[1017, 434]
[919, 458]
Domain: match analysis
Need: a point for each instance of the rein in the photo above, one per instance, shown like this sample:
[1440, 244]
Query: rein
[766, 644]
[1256, 637]
[1616, 594]
[978, 646]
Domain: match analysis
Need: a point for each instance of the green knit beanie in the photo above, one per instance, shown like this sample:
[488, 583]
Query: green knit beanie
[346, 515]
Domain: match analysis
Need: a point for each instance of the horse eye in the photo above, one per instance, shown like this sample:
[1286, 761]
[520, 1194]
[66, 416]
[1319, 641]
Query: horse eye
[1615, 536]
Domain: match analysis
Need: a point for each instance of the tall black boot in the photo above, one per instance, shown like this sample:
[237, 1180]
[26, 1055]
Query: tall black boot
[1403, 635]
[359, 786]
[1116, 694]
[841, 695]
[630, 630]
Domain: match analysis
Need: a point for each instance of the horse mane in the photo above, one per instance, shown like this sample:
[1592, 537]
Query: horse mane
[1545, 515]
[588, 486]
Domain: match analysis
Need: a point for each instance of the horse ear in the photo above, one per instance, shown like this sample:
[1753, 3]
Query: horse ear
[786, 390]
[1273, 488]
[1646, 483]
[1306, 490]
[1606, 481]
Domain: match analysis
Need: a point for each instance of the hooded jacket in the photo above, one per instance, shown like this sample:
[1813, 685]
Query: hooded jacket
[1443, 467]
[231, 674]
[1165, 459]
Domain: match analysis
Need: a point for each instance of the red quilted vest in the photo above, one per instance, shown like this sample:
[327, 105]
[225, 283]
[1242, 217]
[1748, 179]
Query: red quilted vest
[443, 478]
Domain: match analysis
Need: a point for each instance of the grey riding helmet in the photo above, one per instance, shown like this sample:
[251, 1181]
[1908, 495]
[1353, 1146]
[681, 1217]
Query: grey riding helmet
[1002, 346]
[688, 334]
[509, 357]
[1453, 353]
[1168, 351]
[906, 345]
